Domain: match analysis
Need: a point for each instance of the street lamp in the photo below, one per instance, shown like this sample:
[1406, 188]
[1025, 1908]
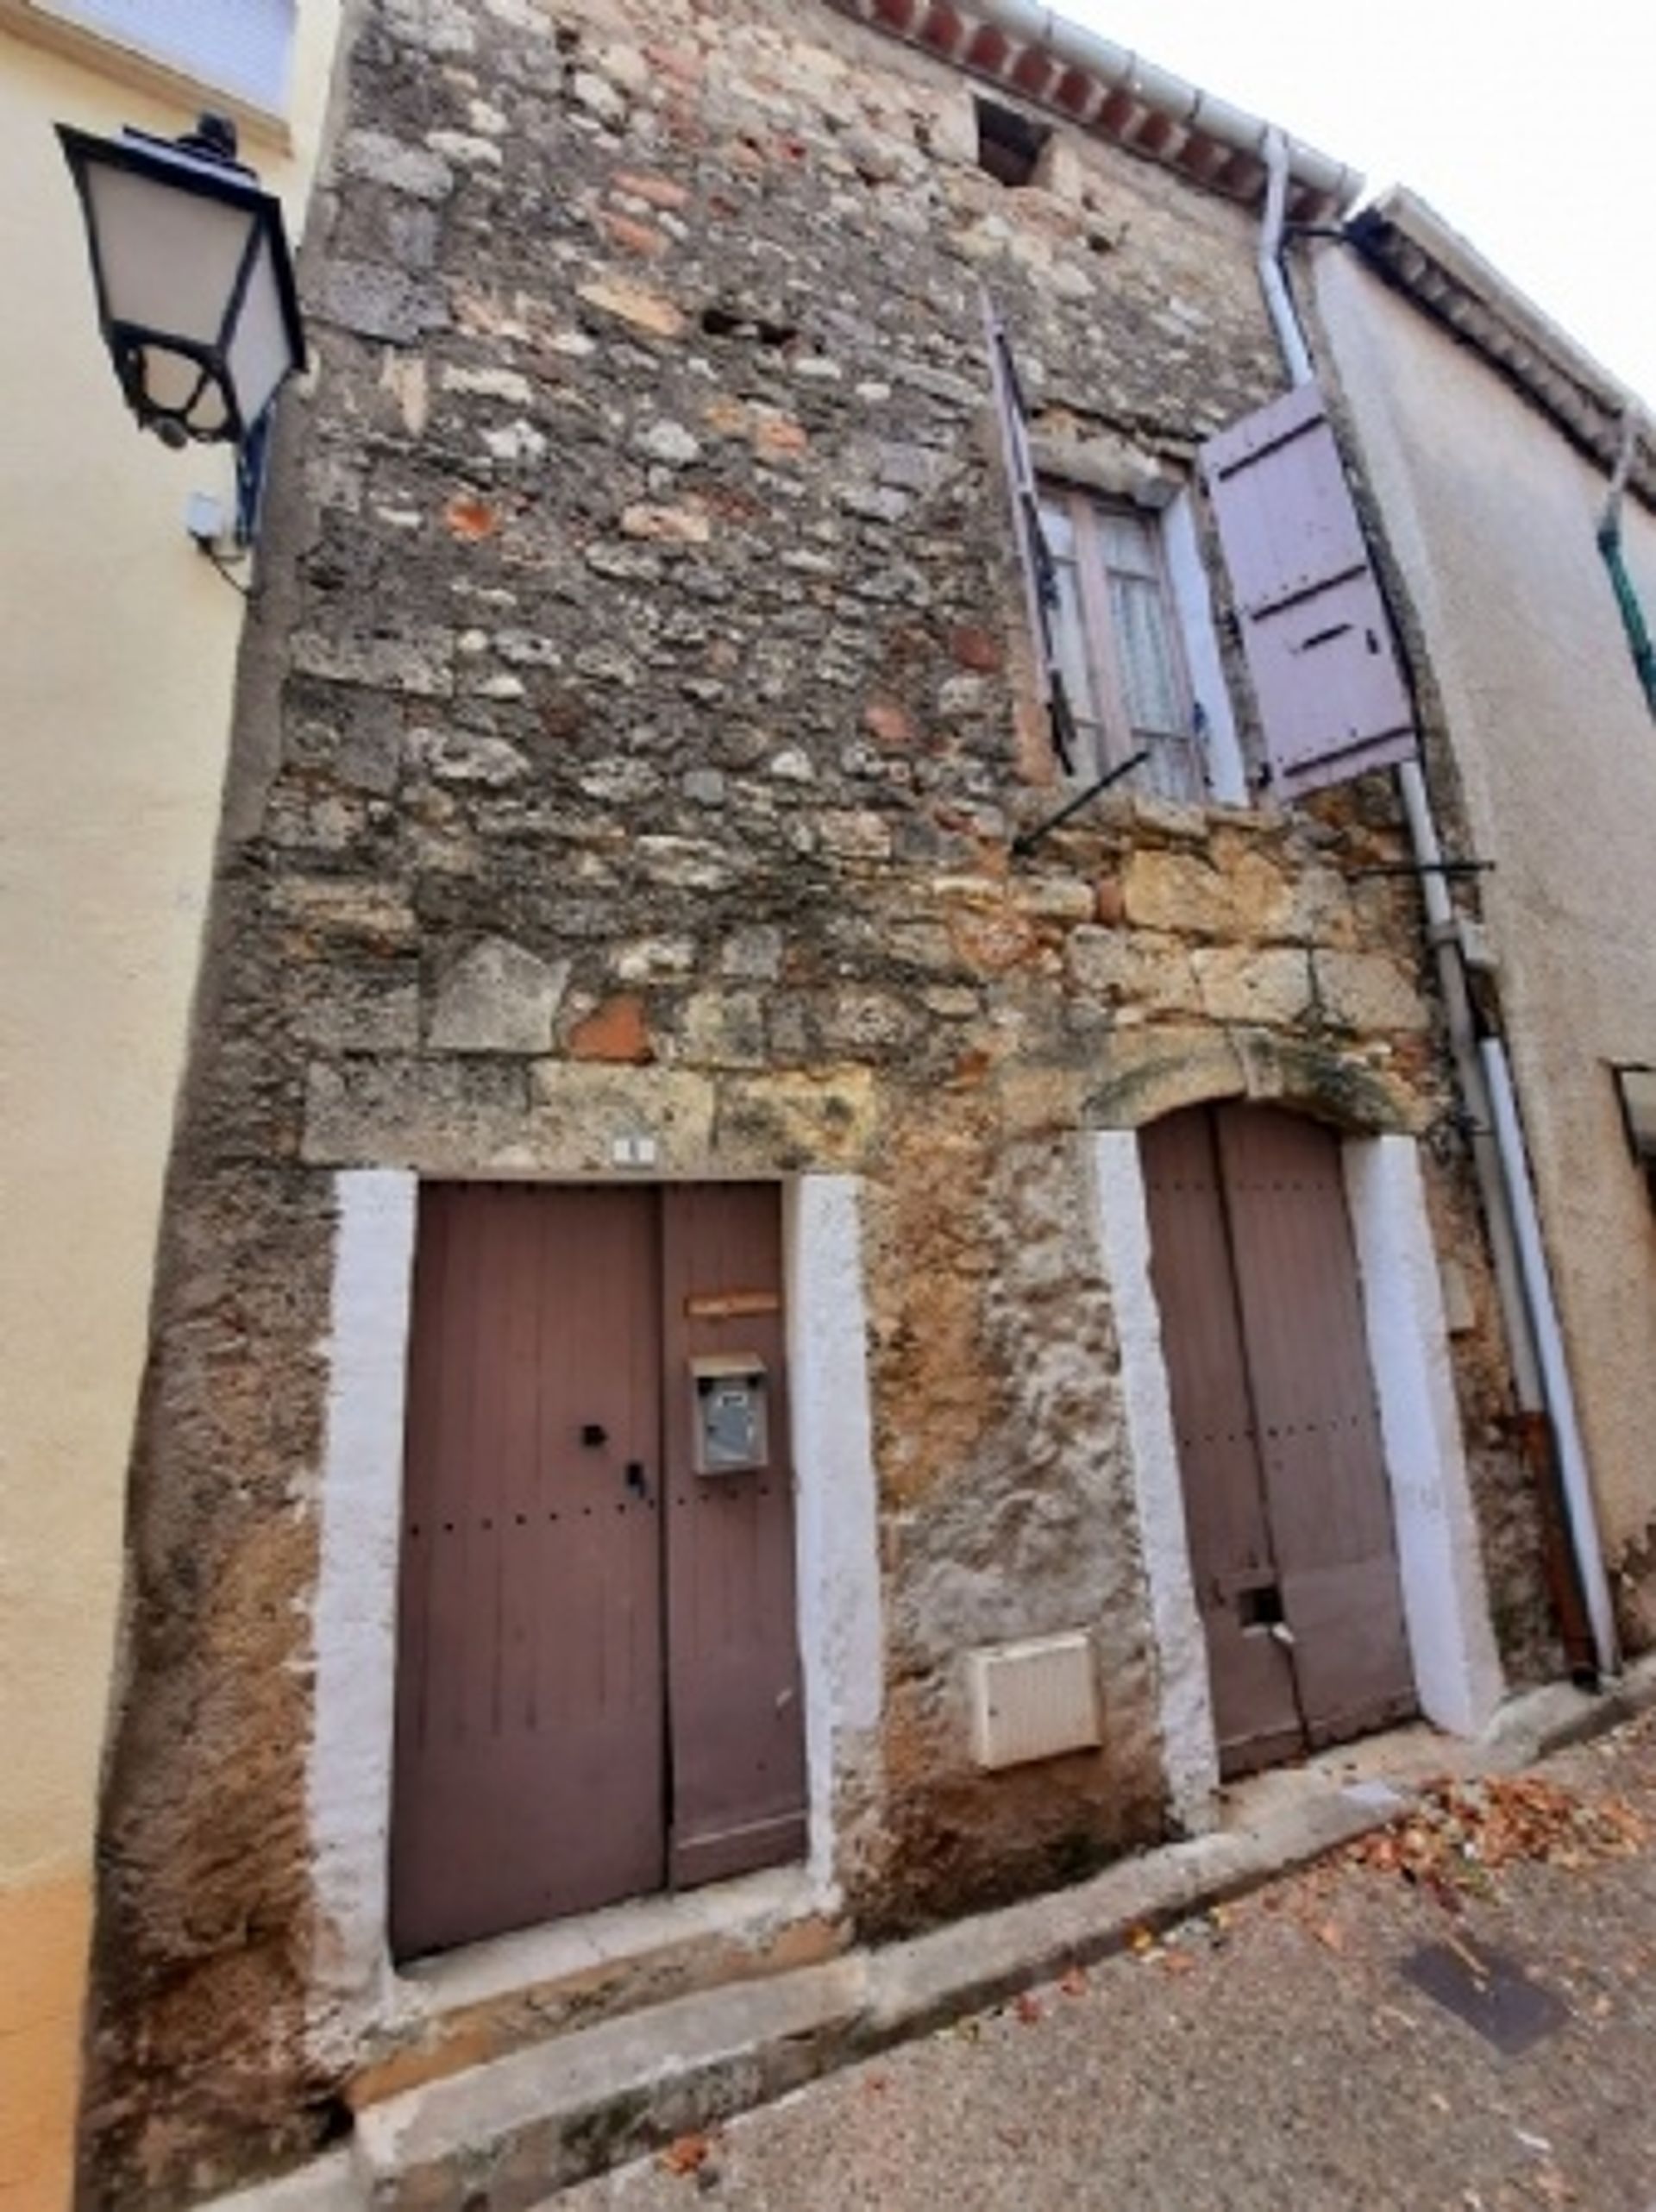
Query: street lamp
[194, 279]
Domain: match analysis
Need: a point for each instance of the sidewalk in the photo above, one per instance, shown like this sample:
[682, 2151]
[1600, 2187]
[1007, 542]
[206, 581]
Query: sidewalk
[1280, 2054]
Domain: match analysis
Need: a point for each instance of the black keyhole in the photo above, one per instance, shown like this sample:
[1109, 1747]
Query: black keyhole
[593, 1434]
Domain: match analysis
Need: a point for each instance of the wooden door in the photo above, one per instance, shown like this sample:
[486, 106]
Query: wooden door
[529, 1776]
[1285, 1489]
[598, 1689]
[734, 1688]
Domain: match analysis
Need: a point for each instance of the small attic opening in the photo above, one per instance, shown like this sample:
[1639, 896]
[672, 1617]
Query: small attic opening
[1009, 146]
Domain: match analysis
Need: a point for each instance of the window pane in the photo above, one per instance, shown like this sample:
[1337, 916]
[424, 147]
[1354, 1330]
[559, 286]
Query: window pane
[1060, 530]
[1069, 637]
[1145, 648]
[1128, 542]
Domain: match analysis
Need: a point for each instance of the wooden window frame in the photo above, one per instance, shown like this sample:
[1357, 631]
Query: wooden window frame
[1116, 740]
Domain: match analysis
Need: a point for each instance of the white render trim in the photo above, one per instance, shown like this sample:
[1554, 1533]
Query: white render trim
[836, 1497]
[1189, 1751]
[1452, 1644]
[1188, 581]
[1456, 1671]
[354, 1614]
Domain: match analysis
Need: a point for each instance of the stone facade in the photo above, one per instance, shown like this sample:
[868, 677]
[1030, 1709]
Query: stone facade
[632, 737]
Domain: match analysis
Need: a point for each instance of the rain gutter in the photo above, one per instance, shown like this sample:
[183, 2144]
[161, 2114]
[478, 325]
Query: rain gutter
[1039, 57]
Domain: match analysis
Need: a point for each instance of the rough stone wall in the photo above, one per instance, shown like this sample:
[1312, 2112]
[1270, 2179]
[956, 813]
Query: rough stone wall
[631, 740]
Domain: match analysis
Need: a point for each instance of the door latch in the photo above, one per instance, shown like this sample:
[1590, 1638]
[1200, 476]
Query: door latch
[635, 1481]
[594, 1435]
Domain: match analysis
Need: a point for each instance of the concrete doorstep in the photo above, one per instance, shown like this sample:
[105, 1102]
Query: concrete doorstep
[504, 2136]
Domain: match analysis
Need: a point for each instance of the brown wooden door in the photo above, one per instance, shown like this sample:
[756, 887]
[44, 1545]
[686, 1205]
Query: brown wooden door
[1285, 1488]
[733, 1671]
[595, 1697]
[529, 1777]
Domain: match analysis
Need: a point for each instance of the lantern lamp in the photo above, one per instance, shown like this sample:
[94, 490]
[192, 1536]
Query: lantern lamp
[194, 279]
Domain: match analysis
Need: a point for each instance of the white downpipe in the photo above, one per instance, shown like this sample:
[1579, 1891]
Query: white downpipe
[1540, 1375]
[1289, 336]
[1555, 1371]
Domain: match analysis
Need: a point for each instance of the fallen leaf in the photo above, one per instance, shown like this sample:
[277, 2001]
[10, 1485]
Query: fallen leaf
[1141, 1941]
[687, 2154]
[1179, 1962]
[1329, 1936]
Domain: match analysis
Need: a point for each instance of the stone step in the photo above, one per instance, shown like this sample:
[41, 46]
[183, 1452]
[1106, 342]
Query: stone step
[507, 2134]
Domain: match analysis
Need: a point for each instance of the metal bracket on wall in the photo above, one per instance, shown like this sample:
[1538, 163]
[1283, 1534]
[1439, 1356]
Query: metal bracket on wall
[1422, 868]
[1027, 840]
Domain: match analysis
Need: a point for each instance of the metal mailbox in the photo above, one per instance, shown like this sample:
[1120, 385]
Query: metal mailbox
[732, 1413]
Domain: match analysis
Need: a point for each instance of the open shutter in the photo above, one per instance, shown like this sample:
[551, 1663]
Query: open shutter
[1034, 554]
[1320, 649]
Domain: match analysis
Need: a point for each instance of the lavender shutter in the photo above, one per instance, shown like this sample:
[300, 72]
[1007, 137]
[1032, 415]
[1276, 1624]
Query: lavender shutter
[1034, 554]
[1332, 694]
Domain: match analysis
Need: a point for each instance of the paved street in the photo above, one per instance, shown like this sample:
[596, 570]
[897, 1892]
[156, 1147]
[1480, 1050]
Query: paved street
[1279, 2056]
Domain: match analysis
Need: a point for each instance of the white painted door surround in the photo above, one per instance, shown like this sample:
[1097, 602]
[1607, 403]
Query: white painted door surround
[1451, 1646]
[360, 1516]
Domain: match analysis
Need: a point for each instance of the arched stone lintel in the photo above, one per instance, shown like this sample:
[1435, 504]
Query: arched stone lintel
[1158, 1071]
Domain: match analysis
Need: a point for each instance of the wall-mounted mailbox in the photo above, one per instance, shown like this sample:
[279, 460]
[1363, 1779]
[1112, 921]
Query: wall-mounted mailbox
[729, 1395]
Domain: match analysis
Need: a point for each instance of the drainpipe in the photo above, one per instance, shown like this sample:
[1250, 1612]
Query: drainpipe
[1540, 1377]
[1609, 544]
[1572, 1460]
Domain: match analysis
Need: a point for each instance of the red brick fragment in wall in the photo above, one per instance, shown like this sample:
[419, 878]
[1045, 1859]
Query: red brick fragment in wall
[654, 191]
[888, 723]
[1110, 901]
[977, 649]
[470, 519]
[640, 238]
[615, 1030]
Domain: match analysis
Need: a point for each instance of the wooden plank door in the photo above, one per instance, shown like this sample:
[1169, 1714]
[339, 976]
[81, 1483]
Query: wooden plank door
[529, 1753]
[1286, 1495]
[1327, 1495]
[736, 1705]
[1256, 1711]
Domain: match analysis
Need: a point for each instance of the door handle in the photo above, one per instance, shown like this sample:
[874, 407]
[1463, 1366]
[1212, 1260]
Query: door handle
[635, 1481]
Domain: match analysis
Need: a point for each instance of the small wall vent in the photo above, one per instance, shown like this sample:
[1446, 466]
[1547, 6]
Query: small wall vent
[1033, 1700]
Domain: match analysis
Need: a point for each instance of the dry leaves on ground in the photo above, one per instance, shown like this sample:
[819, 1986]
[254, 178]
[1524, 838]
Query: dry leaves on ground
[1462, 1833]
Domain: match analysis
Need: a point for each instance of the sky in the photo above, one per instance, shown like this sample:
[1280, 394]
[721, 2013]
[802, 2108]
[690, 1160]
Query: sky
[1530, 127]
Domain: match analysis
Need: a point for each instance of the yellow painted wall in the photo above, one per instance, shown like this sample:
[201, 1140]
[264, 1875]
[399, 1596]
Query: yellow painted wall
[118, 650]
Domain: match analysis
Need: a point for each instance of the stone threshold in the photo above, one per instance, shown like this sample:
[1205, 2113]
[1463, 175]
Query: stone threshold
[506, 2135]
[483, 2002]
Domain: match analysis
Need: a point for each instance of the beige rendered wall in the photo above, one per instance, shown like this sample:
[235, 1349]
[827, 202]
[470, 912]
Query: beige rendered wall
[117, 648]
[1492, 516]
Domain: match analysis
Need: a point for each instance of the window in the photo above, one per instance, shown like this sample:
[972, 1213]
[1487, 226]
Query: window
[241, 49]
[1009, 146]
[1115, 637]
